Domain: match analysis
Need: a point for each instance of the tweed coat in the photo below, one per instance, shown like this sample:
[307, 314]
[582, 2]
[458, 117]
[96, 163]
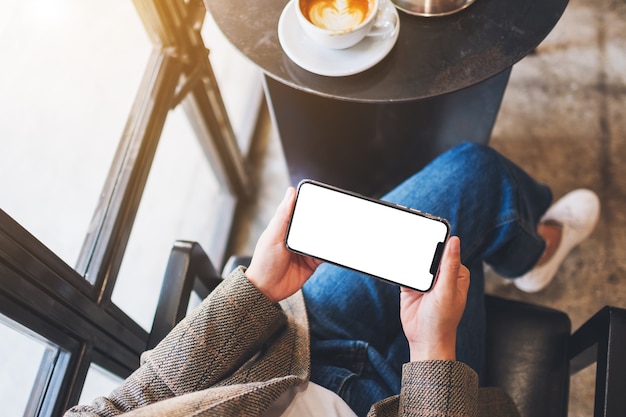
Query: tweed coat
[237, 353]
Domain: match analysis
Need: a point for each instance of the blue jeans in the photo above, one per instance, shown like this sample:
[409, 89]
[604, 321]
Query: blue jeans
[357, 343]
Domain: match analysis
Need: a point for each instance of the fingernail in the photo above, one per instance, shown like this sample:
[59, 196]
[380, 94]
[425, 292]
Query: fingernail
[287, 196]
[287, 193]
[455, 244]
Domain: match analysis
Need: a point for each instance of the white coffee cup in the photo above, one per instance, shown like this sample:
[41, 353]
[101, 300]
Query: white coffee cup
[340, 24]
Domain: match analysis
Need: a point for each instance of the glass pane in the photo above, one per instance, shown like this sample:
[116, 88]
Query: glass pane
[21, 354]
[99, 382]
[239, 82]
[183, 200]
[68, 79]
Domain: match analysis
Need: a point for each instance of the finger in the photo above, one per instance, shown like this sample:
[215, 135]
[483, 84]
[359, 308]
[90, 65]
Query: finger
[450, 265]
[286, 205]
[278, 223]
[464, 279]
[288, 200]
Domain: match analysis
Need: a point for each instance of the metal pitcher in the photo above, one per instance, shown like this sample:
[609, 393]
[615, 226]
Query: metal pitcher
[432, 7]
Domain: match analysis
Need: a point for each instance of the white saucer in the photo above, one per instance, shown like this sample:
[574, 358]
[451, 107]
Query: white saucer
[331, 62]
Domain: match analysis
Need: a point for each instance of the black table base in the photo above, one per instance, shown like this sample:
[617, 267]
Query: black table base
[371, 147]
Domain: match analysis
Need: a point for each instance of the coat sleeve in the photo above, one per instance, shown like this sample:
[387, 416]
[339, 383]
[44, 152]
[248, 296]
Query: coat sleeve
[232, 323]
[433, 388]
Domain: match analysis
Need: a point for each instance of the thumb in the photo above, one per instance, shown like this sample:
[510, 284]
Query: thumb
[280, 220]
[450, 265]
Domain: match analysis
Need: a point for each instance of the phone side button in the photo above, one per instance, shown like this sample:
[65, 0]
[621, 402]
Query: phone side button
[434, 266]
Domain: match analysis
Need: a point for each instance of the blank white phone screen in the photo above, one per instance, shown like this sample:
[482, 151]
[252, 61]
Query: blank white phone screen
[370, 237]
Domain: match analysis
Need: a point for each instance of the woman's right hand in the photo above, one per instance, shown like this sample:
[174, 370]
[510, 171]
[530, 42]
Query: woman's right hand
[274, 270]
[430, 319]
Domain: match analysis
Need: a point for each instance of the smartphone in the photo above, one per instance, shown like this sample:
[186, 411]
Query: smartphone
[387, 241]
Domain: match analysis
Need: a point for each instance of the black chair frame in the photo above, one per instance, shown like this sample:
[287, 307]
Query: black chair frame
[188, 269]
[531, 351]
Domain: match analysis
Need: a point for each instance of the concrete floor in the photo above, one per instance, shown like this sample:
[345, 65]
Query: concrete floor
[563, 120]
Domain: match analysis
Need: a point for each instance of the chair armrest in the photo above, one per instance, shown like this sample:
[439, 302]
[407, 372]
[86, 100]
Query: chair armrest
[602, 339]
[188, 268]
[234, 261]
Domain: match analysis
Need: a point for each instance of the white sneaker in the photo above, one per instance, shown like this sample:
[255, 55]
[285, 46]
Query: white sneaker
[578, 212]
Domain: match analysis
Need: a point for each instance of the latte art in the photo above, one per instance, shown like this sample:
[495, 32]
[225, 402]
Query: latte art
[337, 15]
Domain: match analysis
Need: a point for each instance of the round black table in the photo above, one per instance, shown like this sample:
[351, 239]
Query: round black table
[441, 84]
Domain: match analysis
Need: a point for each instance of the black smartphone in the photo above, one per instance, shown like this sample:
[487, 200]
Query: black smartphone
[387, 241]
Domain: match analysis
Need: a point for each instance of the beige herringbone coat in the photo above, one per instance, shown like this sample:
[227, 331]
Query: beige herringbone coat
[238, 352]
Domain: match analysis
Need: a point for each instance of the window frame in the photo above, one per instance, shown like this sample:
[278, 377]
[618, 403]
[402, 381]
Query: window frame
[71, 307]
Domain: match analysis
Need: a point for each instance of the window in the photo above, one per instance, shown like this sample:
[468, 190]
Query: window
[64, 109]
[27, 360]
[181, 201]
[98, 382]
[118, 144]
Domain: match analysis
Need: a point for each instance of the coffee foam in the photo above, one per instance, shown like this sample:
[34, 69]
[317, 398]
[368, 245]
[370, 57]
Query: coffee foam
[338, 15]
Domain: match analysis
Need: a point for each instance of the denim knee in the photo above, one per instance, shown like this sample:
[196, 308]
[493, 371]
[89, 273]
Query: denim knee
[476, 162]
